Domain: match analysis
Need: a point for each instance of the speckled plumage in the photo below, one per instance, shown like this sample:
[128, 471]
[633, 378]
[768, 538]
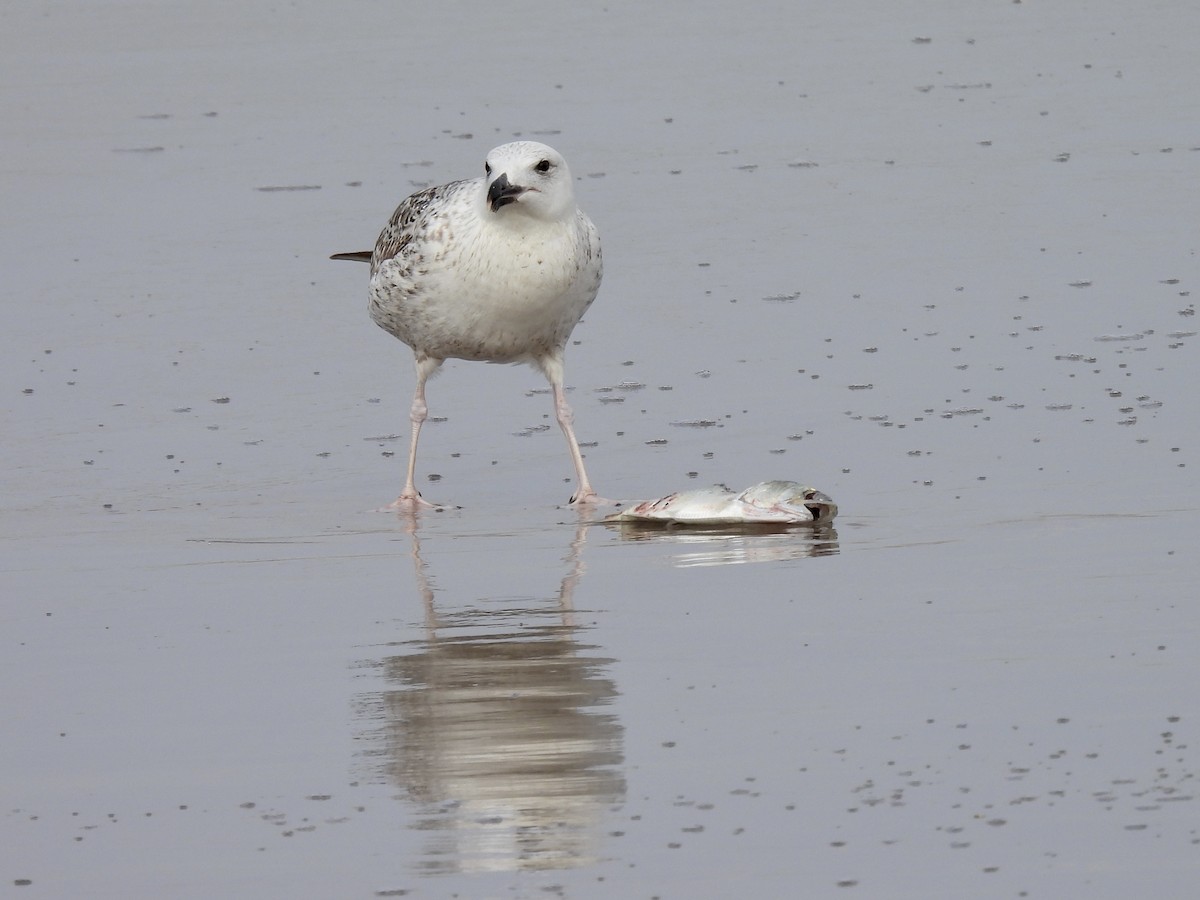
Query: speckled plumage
[493, 269]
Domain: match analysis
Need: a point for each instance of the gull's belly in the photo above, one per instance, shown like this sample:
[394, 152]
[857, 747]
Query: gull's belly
[522, 310]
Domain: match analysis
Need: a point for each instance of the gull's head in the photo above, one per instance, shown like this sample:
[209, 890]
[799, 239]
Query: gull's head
[528, 178]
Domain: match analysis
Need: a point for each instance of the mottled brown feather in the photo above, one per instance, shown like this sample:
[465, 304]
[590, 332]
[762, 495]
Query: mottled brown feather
[406, 222]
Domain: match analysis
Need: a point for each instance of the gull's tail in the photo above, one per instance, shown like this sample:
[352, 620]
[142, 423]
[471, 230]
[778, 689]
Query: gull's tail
[356, 256]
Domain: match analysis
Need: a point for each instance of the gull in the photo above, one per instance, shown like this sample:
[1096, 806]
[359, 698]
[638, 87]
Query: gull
[495, 269]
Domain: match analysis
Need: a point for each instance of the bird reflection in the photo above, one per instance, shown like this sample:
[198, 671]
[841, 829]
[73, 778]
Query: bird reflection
[734, 544]
[494, 725]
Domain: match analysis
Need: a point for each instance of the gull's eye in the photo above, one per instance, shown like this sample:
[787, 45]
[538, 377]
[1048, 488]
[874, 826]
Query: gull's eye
[543, 166]
[487, 168]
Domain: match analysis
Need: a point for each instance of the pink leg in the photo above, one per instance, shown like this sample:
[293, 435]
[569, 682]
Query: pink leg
[553, 368]
[410, 495]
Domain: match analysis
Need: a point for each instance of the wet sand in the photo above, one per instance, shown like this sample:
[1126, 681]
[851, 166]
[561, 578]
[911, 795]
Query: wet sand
[938, 265]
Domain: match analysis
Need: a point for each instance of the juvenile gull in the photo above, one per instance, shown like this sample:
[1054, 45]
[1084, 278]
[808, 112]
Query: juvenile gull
[497, 269]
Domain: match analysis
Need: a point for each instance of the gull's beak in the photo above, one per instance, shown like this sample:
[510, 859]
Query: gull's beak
[503, 192]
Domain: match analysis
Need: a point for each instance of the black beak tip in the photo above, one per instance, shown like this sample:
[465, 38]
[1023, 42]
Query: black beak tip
[503, 192]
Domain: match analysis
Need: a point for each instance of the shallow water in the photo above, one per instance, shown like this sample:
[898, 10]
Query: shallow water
[937, 265]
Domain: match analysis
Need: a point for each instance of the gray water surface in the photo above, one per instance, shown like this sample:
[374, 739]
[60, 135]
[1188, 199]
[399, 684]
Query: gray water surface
[937, 263]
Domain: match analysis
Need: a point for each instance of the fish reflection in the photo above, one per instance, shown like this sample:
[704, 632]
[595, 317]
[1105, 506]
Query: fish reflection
[493, 725]
[734, 544]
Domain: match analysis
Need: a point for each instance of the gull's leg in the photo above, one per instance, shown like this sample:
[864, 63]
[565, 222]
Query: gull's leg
[553, 369]
[426, 366]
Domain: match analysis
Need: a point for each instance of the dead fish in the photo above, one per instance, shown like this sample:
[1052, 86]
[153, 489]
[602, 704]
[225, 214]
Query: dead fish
[768, 502]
